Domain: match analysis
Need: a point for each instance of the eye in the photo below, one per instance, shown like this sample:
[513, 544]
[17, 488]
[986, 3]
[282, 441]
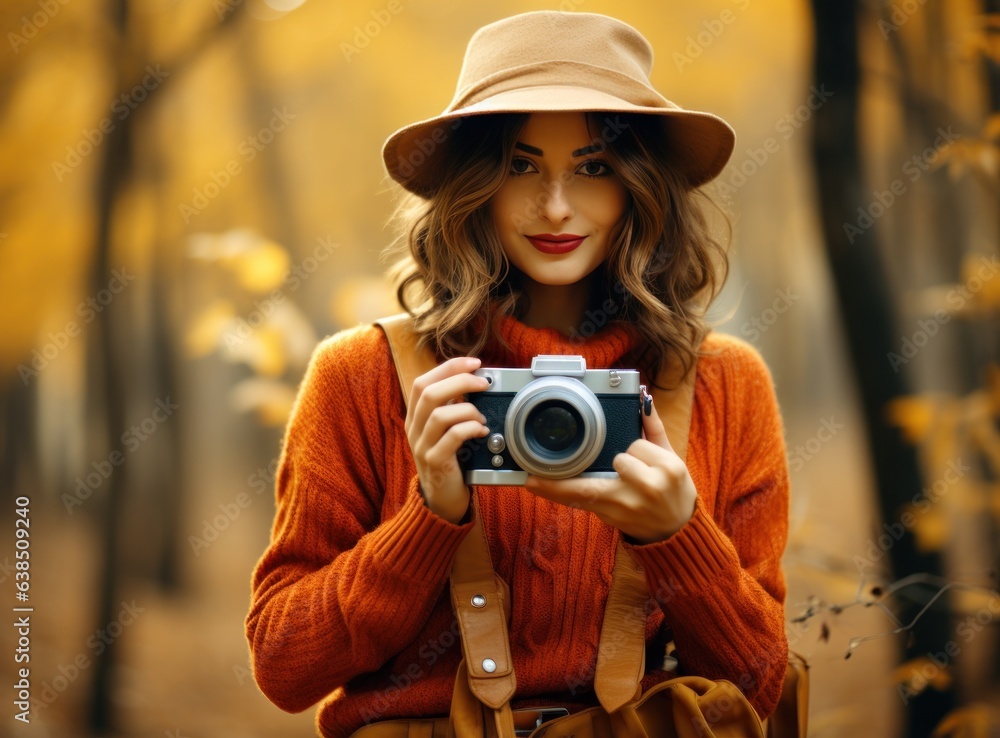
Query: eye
[594, 168]
[520, 165]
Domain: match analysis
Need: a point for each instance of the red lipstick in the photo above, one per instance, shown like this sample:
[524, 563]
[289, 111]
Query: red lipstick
[551, 243]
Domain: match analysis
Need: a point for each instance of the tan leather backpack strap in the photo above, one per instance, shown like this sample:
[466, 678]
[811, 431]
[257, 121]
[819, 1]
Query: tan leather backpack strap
[481, 599]
[481, 602]
[621, 660]
[470, 717]
[410, 363]
[621, 656]
[790, 716]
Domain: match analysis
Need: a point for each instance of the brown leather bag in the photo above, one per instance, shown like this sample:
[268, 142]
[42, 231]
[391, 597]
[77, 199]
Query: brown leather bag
[685, 706]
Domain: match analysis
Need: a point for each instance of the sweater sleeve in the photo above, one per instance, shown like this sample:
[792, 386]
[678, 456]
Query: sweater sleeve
[721, 572]
[339, 590]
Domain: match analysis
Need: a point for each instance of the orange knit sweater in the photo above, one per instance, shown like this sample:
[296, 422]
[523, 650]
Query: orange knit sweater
[350, 600]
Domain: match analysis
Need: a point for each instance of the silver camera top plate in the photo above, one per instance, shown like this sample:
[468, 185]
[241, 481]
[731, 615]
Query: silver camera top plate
[602, 381]
[545, 365]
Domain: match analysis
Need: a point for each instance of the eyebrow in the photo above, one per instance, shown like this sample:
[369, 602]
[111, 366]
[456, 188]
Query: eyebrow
[579, 152]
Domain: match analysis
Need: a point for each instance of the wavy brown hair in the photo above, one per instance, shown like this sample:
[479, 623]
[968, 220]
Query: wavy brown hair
[664, 265]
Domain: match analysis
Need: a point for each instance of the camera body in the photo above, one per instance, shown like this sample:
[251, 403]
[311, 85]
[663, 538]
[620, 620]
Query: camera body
[557, 420]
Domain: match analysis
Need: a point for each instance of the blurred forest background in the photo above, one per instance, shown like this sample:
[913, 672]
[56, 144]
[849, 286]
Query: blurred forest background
[192, 195]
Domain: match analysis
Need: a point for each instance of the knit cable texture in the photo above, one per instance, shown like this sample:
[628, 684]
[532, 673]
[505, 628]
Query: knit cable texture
[349, 602]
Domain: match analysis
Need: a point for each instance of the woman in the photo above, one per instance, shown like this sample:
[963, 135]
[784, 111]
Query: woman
[554, 210]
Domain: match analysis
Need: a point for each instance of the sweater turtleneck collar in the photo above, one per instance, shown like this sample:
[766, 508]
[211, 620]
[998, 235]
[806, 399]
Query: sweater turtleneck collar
[613, 346]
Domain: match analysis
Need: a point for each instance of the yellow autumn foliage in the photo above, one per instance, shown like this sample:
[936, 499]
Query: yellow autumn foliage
[920, 673]
[972, 721]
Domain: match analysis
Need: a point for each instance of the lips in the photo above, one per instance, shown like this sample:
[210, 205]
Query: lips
[551, 243]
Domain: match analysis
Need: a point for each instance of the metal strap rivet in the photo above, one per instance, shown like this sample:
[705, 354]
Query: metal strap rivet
[478, 601]
[489, 666]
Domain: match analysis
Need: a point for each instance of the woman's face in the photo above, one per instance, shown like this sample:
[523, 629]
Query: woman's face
[555, 212]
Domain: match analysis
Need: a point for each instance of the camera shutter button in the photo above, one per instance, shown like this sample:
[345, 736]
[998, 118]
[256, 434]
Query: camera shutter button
[495, 443]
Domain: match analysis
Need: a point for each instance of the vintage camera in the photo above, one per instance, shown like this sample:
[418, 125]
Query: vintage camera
[554, 420]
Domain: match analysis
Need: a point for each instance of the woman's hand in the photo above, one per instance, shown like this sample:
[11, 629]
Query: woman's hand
[436, 428]
[652, 498]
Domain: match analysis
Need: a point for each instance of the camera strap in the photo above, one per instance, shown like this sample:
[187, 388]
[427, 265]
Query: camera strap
[483, 626]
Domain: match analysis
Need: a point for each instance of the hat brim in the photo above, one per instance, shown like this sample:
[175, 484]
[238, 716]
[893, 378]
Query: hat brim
[701, 143]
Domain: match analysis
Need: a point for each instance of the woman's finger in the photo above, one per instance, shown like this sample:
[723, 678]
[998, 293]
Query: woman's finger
[456, 365]
[433, 396]
[580, 492]
[445, 416]
[446, 369]
[637, 473]
[448, 444]
[650, 453]
[652, 428]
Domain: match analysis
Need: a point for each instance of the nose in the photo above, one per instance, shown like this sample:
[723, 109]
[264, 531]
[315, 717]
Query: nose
[555, 204]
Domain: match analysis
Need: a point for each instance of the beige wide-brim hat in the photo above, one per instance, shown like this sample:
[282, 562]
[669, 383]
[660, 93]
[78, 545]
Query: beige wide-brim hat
[558, 61]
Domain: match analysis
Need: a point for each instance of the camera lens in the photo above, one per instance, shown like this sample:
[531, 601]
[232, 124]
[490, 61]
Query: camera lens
[554, 426]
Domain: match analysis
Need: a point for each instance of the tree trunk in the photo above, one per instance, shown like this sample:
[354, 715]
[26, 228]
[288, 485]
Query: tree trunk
[108, 379]
[869, 321]
[992, 7]
[167, 479]
[110, 385]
